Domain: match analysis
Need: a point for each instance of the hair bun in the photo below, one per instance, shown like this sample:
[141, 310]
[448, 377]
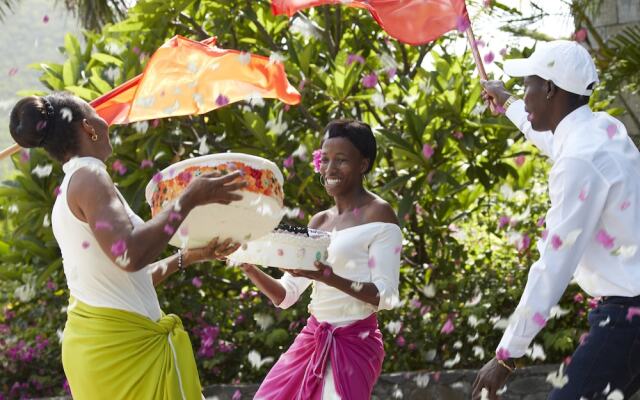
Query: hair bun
[29, 121]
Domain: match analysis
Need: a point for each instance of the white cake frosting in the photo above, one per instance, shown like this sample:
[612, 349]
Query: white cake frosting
[283, 249]
[257, 214]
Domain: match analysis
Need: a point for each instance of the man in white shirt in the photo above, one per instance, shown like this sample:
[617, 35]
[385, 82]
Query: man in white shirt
[593, 225]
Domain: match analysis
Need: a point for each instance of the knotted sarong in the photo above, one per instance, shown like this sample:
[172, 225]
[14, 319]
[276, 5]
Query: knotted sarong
[355, 351]
[114, 354]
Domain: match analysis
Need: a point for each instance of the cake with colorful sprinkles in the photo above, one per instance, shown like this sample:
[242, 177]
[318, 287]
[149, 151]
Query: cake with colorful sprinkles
[257, 214]
[286, 247]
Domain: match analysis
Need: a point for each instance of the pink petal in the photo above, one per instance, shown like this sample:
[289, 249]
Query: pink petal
[632, 312]
[103, 225]
[544, 234]
[168, 229]
[612, 129]
[502, 354]
[288, 162]
[372, 262]
[489, 57]
[157, 178]
[222, 100]
[448, 327]
[397, 250]
[197, 282]
[146, 164]
[427, 151]
[604, 239]
[556, 242]
[45, 19]
[539, 319]
[520, 160]
[503, 221]
[174, 216]
[583, 194]
[13, 71]
[369, 81]
[85, 244]
[462, 23]
[119, 248]
[351, 58]
[625, 204]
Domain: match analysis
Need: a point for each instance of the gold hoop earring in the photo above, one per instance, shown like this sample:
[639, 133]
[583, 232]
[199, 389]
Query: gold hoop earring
[323, 182]
[94, 137]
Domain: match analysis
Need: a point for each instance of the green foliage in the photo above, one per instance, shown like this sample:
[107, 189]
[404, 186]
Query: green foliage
[448, 168]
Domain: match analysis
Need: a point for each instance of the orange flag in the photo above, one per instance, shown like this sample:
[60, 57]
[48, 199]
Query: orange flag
[410, 21]
[184, 77]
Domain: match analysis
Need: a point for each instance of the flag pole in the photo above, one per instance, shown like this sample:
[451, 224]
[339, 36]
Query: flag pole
[13, 149]
[476, 56]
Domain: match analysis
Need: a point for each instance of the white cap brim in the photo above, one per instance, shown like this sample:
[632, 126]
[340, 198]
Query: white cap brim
[519, 67]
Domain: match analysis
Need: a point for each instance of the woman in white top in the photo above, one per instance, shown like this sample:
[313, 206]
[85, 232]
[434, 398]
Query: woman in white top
[339, 353]
[117, 342]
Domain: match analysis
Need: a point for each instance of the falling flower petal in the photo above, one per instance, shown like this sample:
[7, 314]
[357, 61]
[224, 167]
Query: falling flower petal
[85, 244]
[197, 282]
[612, 129]
[372, 262]
[119, 248]
[633, 312]
[605, 239]
[558, 379]
[463, 23]
[146, 164]
[539, 320]
[351, 58]
[502, 354]
[13, 71]
[222, 100]
[556, 242]
[625, 204]
[519, 160]
[489, 57]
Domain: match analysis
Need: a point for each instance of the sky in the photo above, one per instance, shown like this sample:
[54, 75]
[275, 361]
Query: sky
[558, 24]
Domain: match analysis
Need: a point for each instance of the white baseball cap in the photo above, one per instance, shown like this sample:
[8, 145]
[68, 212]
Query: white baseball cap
[564, 62]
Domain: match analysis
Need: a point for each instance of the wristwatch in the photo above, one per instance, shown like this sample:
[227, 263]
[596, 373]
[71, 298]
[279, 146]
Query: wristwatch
[509, 101]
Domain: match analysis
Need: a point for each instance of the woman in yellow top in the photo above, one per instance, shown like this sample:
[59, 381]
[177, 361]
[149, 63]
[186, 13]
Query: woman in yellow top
[117, 343]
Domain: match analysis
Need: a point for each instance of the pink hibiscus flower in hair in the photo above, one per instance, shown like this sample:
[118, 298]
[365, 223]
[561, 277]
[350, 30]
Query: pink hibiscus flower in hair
[317, 160]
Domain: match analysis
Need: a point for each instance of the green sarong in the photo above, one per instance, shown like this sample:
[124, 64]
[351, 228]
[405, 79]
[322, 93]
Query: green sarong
[115, 354]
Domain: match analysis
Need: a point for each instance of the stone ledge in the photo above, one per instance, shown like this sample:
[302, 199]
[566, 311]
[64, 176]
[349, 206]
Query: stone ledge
[529, 383]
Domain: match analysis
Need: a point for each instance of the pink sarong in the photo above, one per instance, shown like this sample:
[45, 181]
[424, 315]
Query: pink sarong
[356, 353]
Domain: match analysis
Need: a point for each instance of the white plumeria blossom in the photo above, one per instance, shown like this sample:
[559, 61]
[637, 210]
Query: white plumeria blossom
[203, 148]
[571, 238]
[558, 379]
[394, 327]
[615, 395]
[536, 352]
[26, 292]
[397, 393]
[46, 222]
[255, 99]
[450, 363]
[557, 312]
[605, 322]
[429, 290]
[475, 300]
[422, 380]
[112, 73]
[123, 260]
[378, 100]
[42, 171]
[626, 252]
[264, 321]
[431, 355]
[301, 152]
[256, 360]
[244, 58]
[478, 352]
[13, 209]
[278, 126]
[484, 394]
[304, 27]
[277, 58]
[141, 126]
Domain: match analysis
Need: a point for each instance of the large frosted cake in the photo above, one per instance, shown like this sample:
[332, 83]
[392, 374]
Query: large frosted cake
[257, 214]
[286, 247]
